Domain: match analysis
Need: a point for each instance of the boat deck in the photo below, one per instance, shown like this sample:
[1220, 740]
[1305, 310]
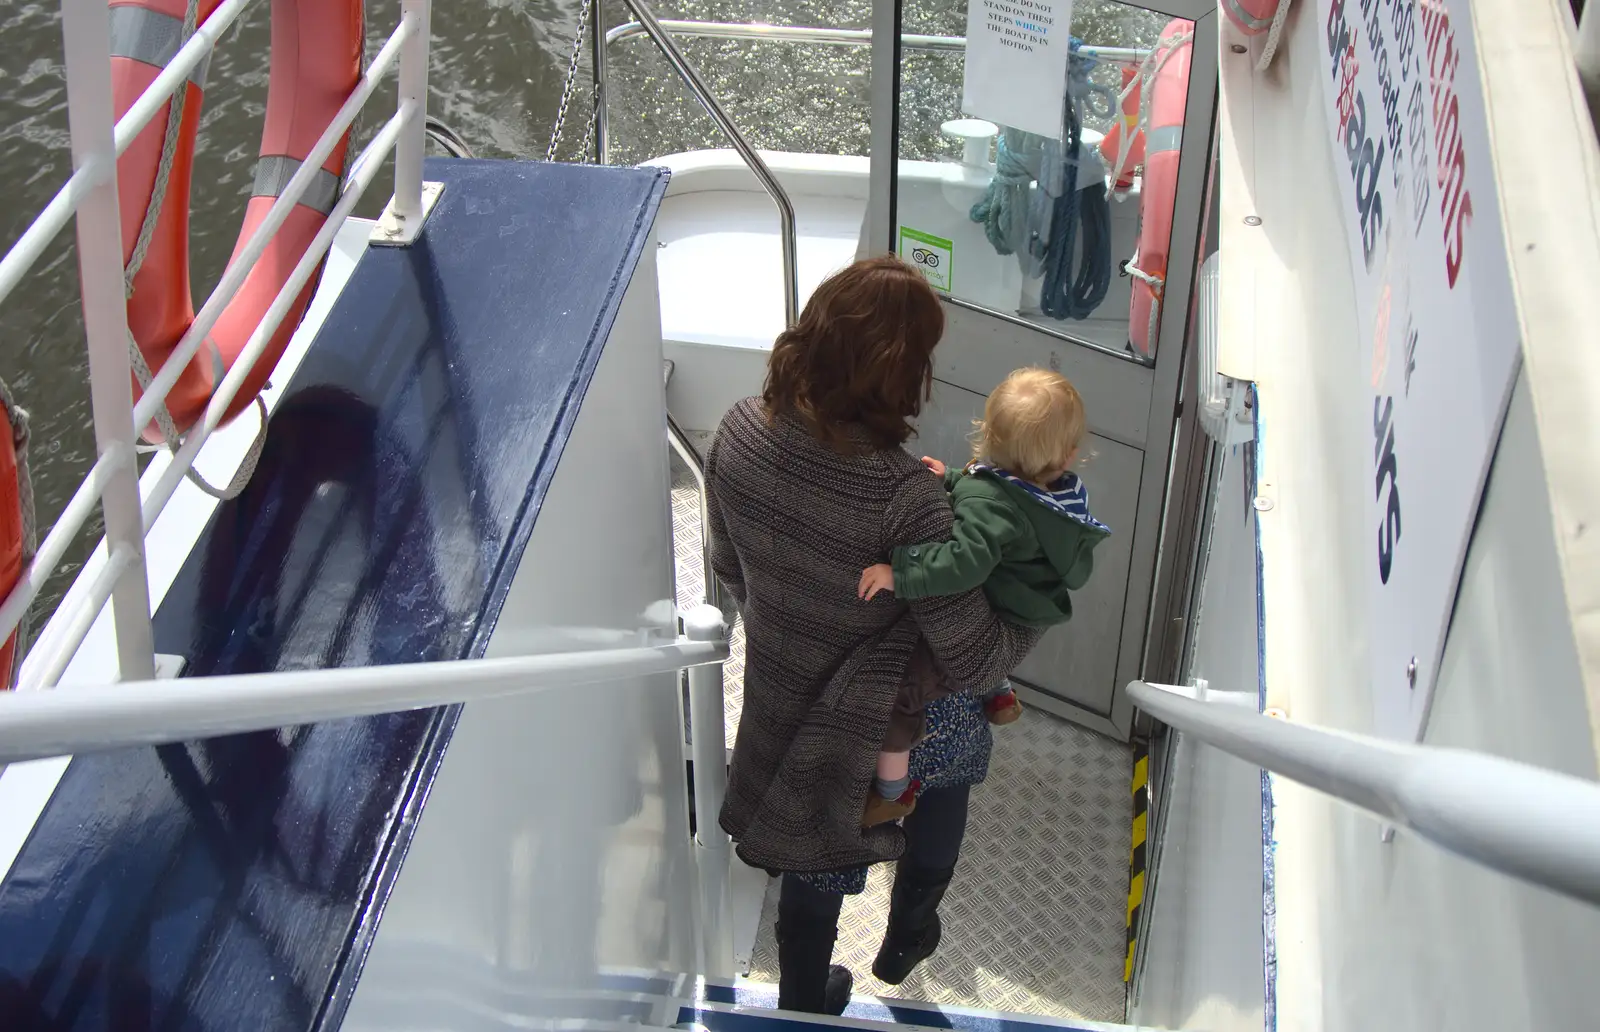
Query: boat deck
[1036, 921]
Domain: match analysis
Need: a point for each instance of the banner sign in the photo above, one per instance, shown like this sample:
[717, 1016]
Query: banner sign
[1435, 307]
[1016, 68]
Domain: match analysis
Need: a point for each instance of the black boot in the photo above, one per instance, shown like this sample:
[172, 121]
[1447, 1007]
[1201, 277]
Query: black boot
[914, 929]
[807, 982]
[808, 923]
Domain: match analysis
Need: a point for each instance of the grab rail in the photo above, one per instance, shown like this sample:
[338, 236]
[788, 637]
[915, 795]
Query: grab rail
[653, 27]
[1491, 811]
[37, 725]
[90, 193]
[691, 458]
[839, 37]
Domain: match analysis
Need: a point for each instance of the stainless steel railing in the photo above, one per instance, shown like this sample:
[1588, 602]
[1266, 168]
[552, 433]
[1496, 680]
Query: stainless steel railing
[98, 139]
[837, 37]
[651, 26]
[663, 32]
[1491, 811]
[691, 458]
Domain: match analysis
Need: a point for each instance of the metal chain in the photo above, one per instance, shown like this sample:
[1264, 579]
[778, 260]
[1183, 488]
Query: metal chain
[588, 134]
[571, 82]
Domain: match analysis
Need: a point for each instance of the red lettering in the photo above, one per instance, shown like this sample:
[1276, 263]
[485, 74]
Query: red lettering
[1455, 253]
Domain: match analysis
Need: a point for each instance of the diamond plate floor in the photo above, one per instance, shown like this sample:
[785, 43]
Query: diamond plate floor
[1034, 921]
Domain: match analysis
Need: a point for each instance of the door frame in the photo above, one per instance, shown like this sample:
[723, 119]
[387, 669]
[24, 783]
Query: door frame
[1152, 430]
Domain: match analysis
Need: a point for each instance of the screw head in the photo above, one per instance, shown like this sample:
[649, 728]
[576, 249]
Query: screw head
[1238, 48]
[1252, 220]
[1262, 503]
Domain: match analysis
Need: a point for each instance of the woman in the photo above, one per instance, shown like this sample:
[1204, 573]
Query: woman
[806, 486]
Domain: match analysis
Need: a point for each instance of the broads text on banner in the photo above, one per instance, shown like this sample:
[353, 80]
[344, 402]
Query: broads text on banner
[1406, 124]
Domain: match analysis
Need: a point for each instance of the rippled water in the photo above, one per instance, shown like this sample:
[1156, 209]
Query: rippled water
[495, 74]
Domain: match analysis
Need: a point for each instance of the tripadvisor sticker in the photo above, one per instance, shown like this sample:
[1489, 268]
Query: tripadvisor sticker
[929, 253]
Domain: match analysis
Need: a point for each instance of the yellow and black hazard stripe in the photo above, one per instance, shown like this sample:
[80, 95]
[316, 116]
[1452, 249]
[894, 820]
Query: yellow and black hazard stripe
[1137, 856]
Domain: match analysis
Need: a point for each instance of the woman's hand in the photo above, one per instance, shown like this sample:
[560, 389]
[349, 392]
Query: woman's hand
[935, 465]
[875, 579]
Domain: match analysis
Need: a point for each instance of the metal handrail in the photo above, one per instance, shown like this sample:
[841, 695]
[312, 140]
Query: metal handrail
[839, 37]
[1491, 811]
[651, 26]
[691, 458]
[37, 725]
[662, 33]
[90, 193]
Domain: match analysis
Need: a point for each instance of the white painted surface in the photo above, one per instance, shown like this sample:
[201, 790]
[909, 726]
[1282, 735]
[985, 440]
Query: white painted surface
[721, 271]
[26, 787]
[556, 841]
[1399, 935]
[1202, 967]
[747, 891]
[1527, 65]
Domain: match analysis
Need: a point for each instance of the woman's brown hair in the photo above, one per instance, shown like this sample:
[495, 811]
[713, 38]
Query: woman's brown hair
[861, 357]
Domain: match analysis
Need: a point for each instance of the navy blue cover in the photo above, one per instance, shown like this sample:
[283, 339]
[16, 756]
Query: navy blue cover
[236, 883]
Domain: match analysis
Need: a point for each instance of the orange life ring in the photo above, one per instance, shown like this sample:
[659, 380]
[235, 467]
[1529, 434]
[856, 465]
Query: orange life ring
[1252, 16]
[1158, 193]
[317, 48]
[11, 536]
[1111, 143]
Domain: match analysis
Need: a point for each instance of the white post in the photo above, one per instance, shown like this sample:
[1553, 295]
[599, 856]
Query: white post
[709, 745]
[884, 91]
[86, 32]
[413, 199]
[413, 87]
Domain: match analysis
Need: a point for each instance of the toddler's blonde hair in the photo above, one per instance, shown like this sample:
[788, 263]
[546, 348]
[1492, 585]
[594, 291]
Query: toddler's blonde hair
[1030, 424]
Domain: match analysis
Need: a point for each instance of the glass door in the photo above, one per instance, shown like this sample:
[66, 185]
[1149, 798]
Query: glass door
[1048, 176]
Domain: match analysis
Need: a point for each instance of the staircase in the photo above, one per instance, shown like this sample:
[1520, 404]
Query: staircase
[632, 1001]
[746, 1006]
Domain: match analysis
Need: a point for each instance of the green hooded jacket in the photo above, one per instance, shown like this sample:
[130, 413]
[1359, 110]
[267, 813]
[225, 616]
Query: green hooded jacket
[1027, 553]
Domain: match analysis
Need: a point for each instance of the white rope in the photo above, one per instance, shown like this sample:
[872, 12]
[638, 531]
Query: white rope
[1157, 286]
[18, 418]
[152, 216]
[1144, 81]
[1154, 282]
[1274, 33]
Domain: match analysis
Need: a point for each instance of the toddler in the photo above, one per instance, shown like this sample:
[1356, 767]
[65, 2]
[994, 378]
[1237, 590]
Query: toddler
[1022, 530]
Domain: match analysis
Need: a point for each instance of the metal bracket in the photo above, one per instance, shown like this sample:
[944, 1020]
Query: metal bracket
[1200, 690]
[394, 230]
[169, 667]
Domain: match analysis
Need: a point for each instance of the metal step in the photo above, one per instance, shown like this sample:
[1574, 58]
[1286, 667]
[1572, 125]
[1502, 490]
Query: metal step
[747, 1006]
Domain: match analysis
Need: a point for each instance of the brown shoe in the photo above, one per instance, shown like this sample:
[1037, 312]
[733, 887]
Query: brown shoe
[881, 811]
[1004, 708]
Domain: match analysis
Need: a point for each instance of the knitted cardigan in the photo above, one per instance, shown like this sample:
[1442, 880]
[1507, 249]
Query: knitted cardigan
[793, 524]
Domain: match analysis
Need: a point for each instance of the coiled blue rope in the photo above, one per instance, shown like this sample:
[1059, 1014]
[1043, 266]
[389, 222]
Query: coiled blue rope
[1070, 290]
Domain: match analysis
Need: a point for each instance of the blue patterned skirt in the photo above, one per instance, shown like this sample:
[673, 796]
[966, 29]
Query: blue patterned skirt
[954, 753]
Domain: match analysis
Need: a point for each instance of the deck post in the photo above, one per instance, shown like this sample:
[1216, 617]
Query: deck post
[884, 140]
[402, 220]
[86, 35]
[709, 742]
[413, 87]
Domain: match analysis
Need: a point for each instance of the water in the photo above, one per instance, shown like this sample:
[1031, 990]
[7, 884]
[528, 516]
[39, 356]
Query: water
[495, 76]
